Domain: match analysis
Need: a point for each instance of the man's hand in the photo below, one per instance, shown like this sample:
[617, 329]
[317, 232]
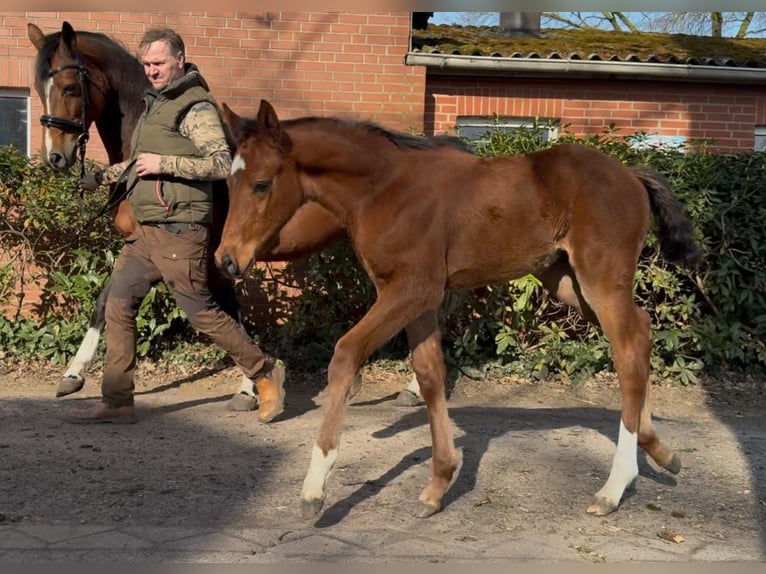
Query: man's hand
[92, 181]
[148, 164]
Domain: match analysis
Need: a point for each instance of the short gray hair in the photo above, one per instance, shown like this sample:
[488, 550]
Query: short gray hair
[172, 37]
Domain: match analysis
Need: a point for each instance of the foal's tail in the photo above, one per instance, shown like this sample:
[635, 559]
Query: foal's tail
[674, 228]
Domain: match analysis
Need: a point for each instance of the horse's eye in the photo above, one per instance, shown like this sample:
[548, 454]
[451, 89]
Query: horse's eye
[262, 186]
[71, 90]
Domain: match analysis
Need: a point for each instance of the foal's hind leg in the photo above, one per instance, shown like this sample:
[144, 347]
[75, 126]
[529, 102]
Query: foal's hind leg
[627, 328]
[73, 379]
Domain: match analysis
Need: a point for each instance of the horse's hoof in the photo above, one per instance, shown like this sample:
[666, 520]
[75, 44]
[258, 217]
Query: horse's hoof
[601, 506]
[242, 402]
[426, 510]
[69, 384]
[310, 508]
[407, 398]
[674, 465]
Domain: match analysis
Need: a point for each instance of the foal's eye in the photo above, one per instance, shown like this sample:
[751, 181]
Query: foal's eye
[262, 186]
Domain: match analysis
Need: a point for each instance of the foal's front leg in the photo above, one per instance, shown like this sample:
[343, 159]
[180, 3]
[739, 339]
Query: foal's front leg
[390, 314]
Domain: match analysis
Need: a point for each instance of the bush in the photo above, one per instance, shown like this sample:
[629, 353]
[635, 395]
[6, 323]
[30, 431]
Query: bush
[713, 319]
[56, 240]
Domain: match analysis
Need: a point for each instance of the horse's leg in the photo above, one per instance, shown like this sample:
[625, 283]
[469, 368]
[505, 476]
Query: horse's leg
[428, 362]
[629, 335]
[392, 312]
[73, 379]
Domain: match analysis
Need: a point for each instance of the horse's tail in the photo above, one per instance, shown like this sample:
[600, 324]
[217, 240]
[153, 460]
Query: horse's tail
[674, 228]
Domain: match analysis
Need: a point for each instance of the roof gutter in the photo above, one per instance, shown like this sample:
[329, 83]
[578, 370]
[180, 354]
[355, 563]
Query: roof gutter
[537, 67]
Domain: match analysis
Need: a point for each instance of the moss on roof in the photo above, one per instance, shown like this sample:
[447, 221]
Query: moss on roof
[592, 44]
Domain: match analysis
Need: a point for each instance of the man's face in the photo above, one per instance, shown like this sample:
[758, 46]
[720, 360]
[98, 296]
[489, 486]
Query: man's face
[160, 65]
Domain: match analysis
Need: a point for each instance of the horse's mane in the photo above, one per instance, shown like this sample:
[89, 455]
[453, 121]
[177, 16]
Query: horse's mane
[399, 139]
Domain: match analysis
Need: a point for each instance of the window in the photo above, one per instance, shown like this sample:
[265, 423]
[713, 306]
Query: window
[14, 120]
[657, 141]
[475, 128]
[760, 138]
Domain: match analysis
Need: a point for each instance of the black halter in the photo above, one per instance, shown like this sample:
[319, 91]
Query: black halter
[70, 126]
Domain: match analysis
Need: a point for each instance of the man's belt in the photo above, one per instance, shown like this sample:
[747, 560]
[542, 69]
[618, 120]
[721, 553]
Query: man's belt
[174, 227]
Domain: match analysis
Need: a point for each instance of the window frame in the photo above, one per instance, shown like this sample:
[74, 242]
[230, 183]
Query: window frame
[488, 123]
[759, 138]
[21, 94]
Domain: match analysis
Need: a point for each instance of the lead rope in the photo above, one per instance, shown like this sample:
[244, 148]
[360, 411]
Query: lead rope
[115, 201]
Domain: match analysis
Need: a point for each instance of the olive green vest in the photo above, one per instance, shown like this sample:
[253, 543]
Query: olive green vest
[166, 198]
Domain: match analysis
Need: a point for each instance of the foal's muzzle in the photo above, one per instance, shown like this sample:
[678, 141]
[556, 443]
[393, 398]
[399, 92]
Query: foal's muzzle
[230, 269]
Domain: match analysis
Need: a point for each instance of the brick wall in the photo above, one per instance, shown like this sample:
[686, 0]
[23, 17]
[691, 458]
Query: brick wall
[304, 62]
[727, 113]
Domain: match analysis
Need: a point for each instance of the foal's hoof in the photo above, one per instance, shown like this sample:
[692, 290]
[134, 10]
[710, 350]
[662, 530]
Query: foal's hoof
[323, 395]
[601, 506]
[425, 510]
[242, 402]
[310, 508]
[674, 465]
[69, 384]
[407, 398]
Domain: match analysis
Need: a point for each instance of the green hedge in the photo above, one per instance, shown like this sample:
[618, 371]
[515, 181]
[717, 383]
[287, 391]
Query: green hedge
[713, 319]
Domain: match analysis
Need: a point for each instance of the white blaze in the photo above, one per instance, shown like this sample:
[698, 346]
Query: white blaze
[237, 164]
[47, 131]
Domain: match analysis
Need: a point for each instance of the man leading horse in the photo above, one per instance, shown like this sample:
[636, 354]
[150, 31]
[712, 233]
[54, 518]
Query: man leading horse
[178, 149]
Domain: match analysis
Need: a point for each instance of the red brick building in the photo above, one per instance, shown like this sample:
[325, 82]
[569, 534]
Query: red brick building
[373, 66]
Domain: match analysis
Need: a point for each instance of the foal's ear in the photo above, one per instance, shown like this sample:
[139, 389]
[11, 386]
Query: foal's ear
[68, 36]
[35, 36]
[267, 117]
[231, 120]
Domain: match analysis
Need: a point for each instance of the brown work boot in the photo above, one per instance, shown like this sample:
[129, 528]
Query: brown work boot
[271, 392]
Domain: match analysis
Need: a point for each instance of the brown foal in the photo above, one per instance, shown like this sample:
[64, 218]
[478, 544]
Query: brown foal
[425, 217]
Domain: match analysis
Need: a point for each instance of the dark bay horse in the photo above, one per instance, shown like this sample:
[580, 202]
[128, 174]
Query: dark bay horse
[425, 219]
[84, 78]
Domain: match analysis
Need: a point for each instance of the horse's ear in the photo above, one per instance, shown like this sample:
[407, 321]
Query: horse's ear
[68, 36]
[267, 117]
[36, 36]
[231, 120]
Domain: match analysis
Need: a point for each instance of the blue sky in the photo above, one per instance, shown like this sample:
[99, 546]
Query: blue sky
[492, 19]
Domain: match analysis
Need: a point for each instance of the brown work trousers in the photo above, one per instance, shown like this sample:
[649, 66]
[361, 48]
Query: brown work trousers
[180, 259]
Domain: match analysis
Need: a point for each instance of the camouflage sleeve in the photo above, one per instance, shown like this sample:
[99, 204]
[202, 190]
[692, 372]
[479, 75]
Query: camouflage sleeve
[113, 172]
[202, 125]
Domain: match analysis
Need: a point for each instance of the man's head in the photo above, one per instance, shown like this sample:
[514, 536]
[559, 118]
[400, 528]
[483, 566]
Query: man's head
[163, 54]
